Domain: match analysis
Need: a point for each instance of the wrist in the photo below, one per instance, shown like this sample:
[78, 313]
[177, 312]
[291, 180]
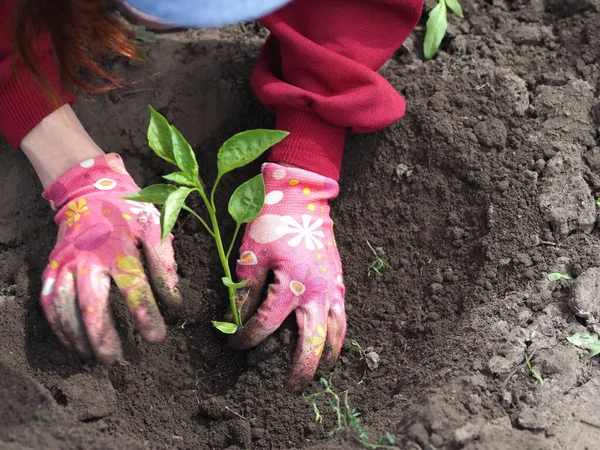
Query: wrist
[57, 144]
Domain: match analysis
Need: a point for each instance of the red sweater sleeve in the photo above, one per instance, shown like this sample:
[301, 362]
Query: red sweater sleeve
[23, 104]
[318, 72]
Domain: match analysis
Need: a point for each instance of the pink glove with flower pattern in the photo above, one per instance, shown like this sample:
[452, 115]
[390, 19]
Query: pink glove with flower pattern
[99, 235]
[293, 237]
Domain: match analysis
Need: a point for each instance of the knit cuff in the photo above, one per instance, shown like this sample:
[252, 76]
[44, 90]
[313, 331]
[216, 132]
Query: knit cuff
[313, 143]
[23, 102]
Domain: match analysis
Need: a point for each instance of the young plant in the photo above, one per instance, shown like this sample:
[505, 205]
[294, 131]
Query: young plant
[534, 372]
[378, 264]
[587, 341]
[347, 417]
[245, 204]
[437, 24]
[555, 276]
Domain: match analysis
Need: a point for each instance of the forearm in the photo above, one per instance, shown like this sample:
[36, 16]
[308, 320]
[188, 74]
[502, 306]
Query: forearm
[58, 143]
[318, 72]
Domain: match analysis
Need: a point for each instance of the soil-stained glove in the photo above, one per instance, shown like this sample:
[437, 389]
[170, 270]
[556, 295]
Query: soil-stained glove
[293, 237]
[98, 238]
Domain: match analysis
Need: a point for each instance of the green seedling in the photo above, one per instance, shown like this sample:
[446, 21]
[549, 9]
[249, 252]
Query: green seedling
[143, 37]
[555, 276]
[346, 417]
[587, 341]
[179, 326]
[245, 204]
[437, 25]
[533, 371]
[378, 264]
[598, 201]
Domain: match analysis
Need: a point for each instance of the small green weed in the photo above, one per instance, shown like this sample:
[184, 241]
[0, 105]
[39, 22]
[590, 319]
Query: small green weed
[143, 37]
[437, 25]
[587, 341]
[347, 417]
[533, 371]
[555, 276]
[378, 264]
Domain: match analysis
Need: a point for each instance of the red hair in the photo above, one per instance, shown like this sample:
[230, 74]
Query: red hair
[82, 31]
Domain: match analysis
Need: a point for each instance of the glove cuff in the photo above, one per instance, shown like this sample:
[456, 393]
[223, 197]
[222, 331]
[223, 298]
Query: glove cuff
[293, 181]
[103, 173]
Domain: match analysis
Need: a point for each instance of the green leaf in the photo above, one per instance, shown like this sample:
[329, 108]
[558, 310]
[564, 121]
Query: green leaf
[157, 194]
[554, 276]
[598, 201]
[140, 33]
[184, 155]
[587, 341]
[455, 7]
[245, 147]
[566, 276]
[159, 136]
[225, 327]
[171, 209]
[437, 24]
[180, 178]
[248, 200]
[231, 284]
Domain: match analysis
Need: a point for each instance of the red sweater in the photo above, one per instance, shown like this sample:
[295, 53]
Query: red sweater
[317, 71]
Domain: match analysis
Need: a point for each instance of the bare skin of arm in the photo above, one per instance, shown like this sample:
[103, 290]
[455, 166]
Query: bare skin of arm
[58, 143]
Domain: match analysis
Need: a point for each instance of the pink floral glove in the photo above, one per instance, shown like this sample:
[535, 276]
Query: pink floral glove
[98, 238]
[293, 237]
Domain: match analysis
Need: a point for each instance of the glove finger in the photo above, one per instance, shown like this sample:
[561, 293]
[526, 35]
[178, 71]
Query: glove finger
[312, 332]
[248, 298]
[66, 307]
[47, 302]
[163, 271]
[133, 283]
[93, 287]
[336, 331]
[268, 318]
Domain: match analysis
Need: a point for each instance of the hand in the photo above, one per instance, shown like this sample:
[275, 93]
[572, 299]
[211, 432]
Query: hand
[98, 238]
[293, 237]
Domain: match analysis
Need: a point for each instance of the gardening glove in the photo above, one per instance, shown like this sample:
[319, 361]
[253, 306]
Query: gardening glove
[293, 237]
[98, 238]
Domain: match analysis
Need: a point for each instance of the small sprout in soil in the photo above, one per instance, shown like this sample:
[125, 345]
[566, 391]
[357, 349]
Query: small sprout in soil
[179, 326]
[245, 204]
[598, 201]
[437, 24]
[555, 276]
[143, 37]
[587, 341]
[533, 371]
[347, 417]
[378, 264]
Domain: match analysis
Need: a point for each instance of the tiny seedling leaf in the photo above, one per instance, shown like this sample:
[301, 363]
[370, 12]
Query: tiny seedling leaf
[248, 200]
[184, 155]
[159, 136]
[245, 147]
[171, 209]
[232, 284]
[142, 34]
[181, 178]
[598, 201]
[157, 194]
[437, 24]
[225, 327]
[455, 7]
[587, 341]
[555, 276]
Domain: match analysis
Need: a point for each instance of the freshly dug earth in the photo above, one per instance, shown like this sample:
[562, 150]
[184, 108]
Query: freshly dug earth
[485, 187]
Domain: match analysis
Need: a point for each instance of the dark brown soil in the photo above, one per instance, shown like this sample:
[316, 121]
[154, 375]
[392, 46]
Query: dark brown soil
[486, 186]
